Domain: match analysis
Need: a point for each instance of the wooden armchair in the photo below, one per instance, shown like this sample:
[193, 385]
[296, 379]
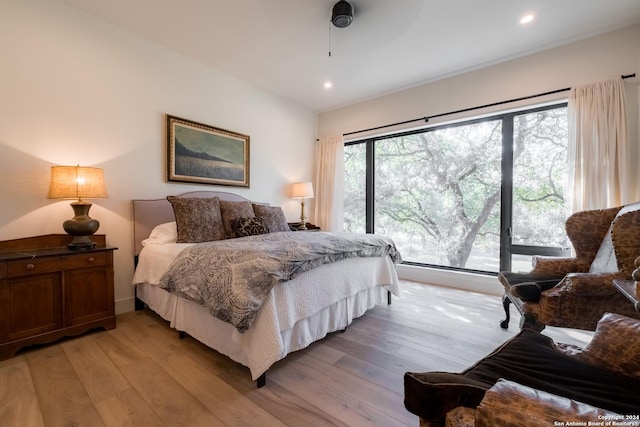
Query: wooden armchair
[576, 292]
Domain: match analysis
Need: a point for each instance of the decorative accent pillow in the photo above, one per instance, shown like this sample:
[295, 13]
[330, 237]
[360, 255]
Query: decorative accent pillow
[198, 219]
[231, 211]
[243, 227]
[615, 345]
[161, 234]
[273, 217]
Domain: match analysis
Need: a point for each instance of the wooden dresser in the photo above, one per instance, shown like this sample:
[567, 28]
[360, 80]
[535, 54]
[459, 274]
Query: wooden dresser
[48, 291]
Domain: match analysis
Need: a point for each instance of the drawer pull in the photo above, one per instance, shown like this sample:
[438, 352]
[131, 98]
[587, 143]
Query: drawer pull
[31, 266]
[91, 259]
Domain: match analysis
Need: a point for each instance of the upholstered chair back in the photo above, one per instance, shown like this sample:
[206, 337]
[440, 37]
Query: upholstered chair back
[606, 259]
[575, 292]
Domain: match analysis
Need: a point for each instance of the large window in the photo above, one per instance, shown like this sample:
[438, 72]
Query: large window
[482, 195]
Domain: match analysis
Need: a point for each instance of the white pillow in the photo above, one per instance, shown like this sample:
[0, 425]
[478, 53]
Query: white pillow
[162, 234]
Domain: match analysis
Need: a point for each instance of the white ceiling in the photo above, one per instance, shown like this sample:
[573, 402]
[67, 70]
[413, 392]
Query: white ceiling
[283, 46]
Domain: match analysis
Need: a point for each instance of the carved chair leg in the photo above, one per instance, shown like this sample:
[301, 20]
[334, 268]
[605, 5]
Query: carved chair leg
[505, 304]
[528, 321]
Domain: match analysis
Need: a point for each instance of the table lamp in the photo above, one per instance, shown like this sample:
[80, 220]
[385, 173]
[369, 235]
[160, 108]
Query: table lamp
[78, 182]
[302, 190]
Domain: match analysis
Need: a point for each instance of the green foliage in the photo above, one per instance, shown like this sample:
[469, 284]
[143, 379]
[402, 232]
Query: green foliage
[354, 200]
[437, 193]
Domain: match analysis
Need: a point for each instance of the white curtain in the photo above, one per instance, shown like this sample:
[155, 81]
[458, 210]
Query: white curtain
[599, 153]
[329, 183]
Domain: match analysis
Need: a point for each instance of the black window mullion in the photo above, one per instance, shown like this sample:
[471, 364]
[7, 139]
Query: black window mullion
[506, 193]
[370, 187]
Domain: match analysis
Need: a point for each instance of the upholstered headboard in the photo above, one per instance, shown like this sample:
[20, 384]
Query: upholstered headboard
[147, 214]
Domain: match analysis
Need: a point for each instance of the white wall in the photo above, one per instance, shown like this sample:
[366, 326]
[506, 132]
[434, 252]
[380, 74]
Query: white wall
[75, 90]
[599, 58]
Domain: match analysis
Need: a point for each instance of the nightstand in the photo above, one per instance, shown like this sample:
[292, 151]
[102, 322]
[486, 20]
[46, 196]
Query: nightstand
[48, 291]
[295, 226]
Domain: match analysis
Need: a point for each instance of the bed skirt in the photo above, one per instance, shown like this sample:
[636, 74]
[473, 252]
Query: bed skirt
[278, 332]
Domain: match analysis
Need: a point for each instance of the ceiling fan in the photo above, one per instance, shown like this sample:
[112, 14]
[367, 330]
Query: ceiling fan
[342, 14]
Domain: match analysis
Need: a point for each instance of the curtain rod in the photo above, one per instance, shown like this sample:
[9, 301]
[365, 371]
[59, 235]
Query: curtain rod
[464, 110]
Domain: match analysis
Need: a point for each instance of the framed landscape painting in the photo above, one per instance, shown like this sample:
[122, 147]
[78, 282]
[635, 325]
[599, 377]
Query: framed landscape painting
[204, 154]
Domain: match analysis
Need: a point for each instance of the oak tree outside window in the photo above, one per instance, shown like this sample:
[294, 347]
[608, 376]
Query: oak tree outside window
[481, 195]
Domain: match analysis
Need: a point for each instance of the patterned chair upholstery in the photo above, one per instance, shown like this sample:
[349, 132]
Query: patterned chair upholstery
[505, 403]
[577, 291]
[531, 380]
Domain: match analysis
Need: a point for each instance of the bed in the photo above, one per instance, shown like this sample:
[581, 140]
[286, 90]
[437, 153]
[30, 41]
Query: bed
[294, 314]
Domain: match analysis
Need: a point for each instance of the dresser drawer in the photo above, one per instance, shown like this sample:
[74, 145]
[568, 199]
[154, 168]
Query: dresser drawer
[50, 264]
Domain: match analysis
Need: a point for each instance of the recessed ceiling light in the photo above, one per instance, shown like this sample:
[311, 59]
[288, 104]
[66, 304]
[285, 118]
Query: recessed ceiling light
[327, 85]
[526, 19]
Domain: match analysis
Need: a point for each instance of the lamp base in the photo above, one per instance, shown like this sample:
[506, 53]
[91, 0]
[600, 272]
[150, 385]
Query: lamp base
[81, 242]
[303, 223]
[81, 226]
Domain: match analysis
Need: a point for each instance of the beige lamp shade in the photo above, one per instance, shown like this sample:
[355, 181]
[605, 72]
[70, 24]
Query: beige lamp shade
[76, 182]
[302, 190]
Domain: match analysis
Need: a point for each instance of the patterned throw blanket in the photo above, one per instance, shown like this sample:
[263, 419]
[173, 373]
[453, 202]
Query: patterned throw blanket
[232, 278]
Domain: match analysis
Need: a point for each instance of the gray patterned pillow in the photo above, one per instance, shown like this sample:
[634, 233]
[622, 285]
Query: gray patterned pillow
[233, 210]
[198, 219]
[273, 217]
[243, 227]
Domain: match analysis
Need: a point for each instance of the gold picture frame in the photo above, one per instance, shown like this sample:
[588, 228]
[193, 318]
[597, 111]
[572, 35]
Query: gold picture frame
[203, 154]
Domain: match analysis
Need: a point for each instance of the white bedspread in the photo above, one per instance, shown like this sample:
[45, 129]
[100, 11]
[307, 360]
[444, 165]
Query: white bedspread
[295, 314]
[154, 261]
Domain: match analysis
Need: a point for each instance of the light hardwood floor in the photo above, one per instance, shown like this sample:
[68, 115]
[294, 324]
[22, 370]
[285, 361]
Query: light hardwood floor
[142, 374]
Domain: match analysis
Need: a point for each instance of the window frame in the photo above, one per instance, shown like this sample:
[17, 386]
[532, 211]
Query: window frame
[507, 248]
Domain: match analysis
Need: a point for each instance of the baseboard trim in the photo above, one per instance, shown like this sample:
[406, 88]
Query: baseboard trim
[475, 282]
[125, 305]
